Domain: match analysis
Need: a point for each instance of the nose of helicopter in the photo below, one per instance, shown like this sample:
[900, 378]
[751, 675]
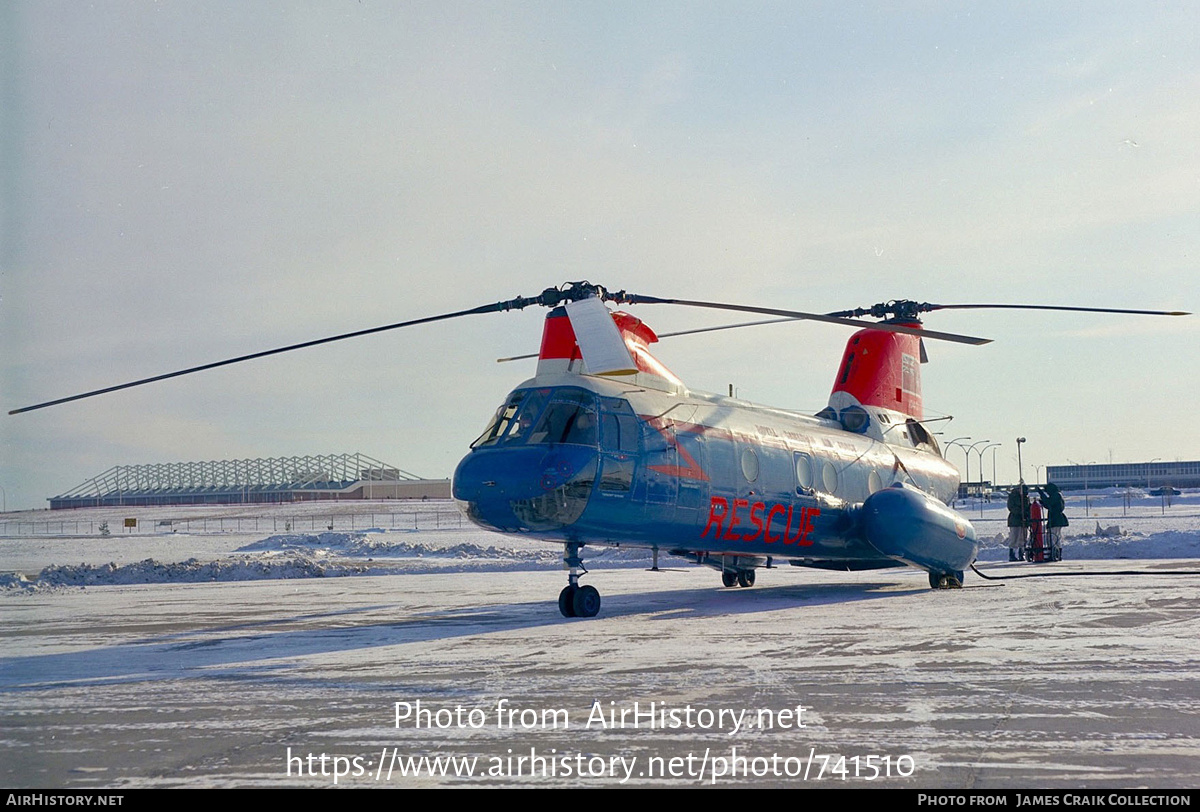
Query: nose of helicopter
[525, 488]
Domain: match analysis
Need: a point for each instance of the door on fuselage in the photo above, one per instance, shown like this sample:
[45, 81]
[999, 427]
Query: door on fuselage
[619, 447]
[675, 466]
[661, 462]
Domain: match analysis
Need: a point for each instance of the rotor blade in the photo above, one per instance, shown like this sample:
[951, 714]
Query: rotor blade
[726, 327]
[525, 357]
[797, 314]
[696, 330]
[490, 308]
[932, 307]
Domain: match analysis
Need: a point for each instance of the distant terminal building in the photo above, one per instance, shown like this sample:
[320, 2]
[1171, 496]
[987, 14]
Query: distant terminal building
[232, 482]
[1149, 475]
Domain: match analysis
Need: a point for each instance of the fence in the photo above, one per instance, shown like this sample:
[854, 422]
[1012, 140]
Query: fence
[447, 518]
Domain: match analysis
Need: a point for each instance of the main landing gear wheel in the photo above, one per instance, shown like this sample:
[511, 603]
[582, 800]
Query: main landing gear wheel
[586, 601]
[745, 577]
[729, 577]
[579, 601]
[946, 580]
[576, 600]
[566, 600]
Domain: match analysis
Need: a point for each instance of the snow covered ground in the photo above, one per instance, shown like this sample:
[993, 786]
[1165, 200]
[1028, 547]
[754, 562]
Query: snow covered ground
[291, 645]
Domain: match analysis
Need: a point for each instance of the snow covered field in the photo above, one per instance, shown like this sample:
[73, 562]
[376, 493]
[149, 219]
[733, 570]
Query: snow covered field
[259, 647]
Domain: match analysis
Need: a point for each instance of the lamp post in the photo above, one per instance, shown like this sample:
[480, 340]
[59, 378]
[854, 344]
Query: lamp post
[969, 450]
[981, 452]
[1086, 500]
[955, 441]
[1156, 459]
[1020, 469]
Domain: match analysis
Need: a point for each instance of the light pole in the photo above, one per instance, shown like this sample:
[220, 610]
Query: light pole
[955, 441]
[1156, 459]
[1086, 501]
[1020, 469]
[981, 452]
[969, 450]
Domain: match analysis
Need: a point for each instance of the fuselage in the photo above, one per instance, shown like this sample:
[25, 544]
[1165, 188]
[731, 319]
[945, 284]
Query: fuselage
[597, 460]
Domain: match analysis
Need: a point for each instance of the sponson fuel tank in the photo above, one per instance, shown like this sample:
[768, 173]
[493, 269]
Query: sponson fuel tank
[907, 525]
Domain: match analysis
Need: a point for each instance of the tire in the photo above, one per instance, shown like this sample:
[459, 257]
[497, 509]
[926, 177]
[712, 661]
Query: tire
[586, 602]
[728, 577]
[566, 601]
[745, 578]
[946, 580]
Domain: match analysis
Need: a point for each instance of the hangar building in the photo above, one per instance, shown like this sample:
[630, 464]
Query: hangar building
[231, 482]
[1146, 475]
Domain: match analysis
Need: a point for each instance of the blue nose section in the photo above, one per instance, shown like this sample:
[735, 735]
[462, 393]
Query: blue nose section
[525, 488]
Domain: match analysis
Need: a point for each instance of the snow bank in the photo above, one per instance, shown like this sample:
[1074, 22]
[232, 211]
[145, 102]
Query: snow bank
[244, 568]
[320, 555]
[374, 546]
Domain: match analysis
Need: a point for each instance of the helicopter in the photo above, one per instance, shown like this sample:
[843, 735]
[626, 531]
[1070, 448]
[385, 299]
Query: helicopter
[605, 446]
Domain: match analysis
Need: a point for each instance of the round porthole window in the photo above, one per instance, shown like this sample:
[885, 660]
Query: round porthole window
[829, 476]
[804, 471]
[874, 483]
[749, 464]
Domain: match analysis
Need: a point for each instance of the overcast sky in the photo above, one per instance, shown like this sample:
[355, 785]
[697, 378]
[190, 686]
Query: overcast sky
[184, 182]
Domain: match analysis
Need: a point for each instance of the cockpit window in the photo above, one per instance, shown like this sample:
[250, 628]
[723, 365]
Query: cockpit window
[570, 418]
[512, 420]
[619, 426]
[525, 417]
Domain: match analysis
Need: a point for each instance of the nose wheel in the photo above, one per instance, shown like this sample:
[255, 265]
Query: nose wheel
[576, 600]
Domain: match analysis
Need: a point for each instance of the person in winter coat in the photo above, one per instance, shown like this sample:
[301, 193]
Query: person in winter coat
[1018, 521]
[1052, 499]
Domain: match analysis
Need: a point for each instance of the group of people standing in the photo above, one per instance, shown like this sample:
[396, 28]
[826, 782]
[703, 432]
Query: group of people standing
[1021, 519]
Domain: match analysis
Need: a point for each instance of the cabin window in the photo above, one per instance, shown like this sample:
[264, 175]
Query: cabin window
[749, 464]
[874, 483]
[616, 474]
[829, 477]
[804, 471]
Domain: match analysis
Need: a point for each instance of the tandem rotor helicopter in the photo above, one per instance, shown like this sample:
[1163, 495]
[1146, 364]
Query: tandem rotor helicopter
[606, 446]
